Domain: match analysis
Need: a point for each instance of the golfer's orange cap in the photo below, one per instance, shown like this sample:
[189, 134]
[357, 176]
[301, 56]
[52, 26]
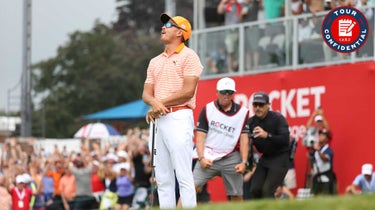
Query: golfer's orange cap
[181, 22]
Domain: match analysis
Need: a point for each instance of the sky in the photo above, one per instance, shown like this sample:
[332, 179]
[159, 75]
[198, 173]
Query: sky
[52, 22]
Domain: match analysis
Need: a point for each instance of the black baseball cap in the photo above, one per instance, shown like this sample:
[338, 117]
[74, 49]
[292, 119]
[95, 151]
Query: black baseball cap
[261, 97]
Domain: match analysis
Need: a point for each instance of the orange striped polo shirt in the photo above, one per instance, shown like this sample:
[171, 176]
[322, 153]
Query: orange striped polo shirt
[167, 73]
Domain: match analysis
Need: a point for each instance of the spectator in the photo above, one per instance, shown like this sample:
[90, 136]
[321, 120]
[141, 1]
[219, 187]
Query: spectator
[273, 41]
[125, 189]
[347, 3]
[33, 182]
[311, 136]
[273, 9]
[223, 150]
[250, 10]
[270, 135]
[304, 30]
[306, 40]
[296, 7]
[56, 173]
[47, 185]
[315, 6]
[21, 194]
[111, 159]
[216, 61]
[36, 184]
[123, 158]
[367, 49]
[96, 182]
[232, 14]
[330, 4]
[364, 182]
[324, 178]
[109, 198]
[82, 170]
[142, 168]
[67, 187]
[5, 197]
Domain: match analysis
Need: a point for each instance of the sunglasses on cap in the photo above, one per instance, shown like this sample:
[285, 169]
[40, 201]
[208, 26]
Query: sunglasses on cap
[230, 92]
[258, 105]
[169, 24]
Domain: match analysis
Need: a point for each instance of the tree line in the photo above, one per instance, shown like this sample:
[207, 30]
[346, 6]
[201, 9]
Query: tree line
[98, 69]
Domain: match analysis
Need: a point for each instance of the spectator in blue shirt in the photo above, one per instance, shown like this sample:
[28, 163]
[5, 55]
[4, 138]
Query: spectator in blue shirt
[364, 182]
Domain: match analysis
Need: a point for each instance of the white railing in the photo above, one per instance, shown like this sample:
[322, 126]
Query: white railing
[279, 46]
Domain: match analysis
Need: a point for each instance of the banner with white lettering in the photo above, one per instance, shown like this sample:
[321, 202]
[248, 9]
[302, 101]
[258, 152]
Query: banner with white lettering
[346, 93]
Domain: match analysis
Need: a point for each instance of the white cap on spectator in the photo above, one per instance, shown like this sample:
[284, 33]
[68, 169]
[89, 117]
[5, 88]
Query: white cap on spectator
[95, 162]
[125, 166]
[318, 118]
[26, 177]
[122, 154]
[20, 179]
[111, 156]
[367, 169]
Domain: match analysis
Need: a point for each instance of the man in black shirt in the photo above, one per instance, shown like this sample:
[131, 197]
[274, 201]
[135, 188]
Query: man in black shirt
[270, 135]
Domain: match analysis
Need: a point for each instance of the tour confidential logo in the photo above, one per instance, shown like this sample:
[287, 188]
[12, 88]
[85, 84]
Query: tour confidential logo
[345, 29]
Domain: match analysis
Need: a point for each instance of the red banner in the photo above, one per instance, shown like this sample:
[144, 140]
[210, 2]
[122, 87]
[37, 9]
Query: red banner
[346, 94]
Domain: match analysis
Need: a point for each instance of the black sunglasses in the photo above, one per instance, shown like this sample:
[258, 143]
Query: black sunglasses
[230, 92]
[169, 24]
[258, 105]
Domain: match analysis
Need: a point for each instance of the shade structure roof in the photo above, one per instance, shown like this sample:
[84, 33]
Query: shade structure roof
[128, 111]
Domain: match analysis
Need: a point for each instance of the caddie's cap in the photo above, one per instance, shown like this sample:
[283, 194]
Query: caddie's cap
[261, 97]
[367, 169]
[226, 83]
[181, 22]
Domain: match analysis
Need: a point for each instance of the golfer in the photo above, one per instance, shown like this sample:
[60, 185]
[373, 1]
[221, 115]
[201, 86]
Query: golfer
[170, 90]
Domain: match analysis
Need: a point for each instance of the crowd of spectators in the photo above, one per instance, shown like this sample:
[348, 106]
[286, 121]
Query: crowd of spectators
[265, 43]
[94, 176]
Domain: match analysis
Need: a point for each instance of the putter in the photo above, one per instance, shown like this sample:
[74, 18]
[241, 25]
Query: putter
[153, 153]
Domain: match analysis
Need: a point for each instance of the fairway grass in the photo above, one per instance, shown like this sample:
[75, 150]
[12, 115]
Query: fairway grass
[359, 202]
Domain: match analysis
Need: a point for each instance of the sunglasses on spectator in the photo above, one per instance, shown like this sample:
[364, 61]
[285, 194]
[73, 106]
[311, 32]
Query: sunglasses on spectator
[230, 92]
[169, 24]
[261, 105]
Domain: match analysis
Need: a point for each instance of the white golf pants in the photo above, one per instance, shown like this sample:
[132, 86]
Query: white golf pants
[174, 153]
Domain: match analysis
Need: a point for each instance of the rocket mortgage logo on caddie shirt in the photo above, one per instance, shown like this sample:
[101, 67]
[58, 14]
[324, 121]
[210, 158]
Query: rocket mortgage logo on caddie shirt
[345, 29]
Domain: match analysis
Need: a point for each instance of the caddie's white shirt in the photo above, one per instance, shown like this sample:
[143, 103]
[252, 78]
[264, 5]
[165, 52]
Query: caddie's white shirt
[223, 131]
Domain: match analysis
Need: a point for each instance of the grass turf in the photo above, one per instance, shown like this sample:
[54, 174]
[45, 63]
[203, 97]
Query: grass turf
[359, 202]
